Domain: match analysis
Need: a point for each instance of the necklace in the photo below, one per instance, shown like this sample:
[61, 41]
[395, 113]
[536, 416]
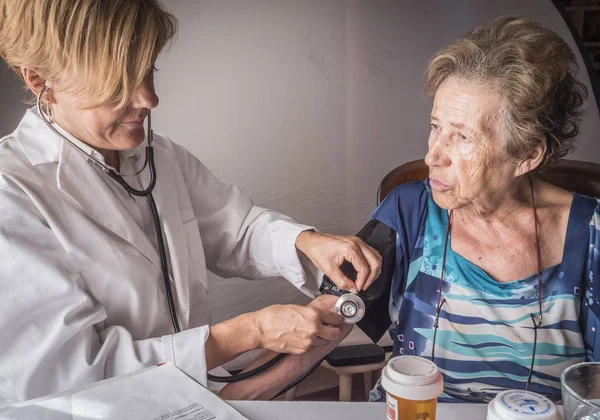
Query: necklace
[536, 323]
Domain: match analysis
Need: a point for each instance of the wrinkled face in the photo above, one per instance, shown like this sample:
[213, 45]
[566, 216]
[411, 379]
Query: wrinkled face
[106, 128]
[465, 158]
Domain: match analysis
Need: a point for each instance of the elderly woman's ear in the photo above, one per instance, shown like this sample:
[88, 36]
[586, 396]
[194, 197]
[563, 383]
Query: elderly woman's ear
[533, 161]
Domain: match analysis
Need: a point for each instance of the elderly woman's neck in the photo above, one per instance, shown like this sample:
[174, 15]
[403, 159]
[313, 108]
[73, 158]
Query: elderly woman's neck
[499, 206]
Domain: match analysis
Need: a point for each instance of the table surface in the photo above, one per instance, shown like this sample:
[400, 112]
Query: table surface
[306, 410]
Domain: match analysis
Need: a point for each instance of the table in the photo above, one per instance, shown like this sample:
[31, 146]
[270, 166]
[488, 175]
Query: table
[317, 410]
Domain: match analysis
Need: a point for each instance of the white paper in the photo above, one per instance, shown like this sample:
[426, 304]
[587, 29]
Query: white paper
[158, 393]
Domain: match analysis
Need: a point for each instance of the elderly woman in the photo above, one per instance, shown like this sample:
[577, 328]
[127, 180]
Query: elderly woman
[92, 285]
[495, 268]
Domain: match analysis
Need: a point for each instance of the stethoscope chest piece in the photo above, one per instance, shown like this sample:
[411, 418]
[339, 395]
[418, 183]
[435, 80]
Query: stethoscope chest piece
[350, 307]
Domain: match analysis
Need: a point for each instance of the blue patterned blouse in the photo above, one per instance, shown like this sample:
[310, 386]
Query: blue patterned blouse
[485, 339]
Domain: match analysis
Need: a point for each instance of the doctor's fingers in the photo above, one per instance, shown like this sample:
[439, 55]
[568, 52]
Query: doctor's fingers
[337, 276]
[322, 325]
[365, 263]
[327, 317]
[291, 328]
[374, 259]
[325, 333]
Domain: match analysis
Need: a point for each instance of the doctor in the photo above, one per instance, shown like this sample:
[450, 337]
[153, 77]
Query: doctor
[82, 296]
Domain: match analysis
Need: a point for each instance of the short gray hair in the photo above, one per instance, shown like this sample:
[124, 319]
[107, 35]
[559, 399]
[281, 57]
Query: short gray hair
[535, 71]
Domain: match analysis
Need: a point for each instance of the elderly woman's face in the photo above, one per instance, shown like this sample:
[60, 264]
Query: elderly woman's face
[106, 128]
[465, 157]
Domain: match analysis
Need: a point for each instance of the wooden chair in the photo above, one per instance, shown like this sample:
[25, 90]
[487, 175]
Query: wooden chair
[571, 175]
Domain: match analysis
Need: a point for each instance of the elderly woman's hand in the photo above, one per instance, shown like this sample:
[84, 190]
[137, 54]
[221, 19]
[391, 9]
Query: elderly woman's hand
[328, 252]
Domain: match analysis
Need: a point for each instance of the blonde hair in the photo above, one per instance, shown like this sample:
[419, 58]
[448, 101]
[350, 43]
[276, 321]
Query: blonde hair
[105, 47]
[534, 70]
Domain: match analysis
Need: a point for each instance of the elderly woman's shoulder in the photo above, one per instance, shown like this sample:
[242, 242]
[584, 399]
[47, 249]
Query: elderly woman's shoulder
[555, 196]
[404, 204]
[560, 207]
[552, 196]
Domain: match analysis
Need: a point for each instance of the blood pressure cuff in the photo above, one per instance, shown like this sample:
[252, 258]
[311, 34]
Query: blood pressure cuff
[376, 320]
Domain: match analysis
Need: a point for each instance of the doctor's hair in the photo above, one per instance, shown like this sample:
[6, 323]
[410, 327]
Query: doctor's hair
[99, 48]
[533, 69]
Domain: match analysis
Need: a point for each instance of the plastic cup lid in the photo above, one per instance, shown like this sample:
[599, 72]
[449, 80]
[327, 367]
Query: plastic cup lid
[518, 405]
[412, 378]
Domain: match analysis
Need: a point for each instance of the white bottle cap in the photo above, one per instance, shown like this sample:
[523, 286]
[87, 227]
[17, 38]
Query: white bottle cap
[520, 405]
[412, 378]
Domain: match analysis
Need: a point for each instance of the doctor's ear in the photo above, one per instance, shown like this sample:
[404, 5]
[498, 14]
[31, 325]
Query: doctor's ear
[35, 82]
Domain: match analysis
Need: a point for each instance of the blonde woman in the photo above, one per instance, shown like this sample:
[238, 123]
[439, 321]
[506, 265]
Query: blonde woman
[82, 296]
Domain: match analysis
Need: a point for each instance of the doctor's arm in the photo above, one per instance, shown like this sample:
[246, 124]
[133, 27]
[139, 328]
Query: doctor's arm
[291, 329]
[242, 239]
[269, 383]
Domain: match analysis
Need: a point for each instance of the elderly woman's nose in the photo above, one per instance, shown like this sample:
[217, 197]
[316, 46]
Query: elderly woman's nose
[437, 154]
[431, 158]
[145, 96]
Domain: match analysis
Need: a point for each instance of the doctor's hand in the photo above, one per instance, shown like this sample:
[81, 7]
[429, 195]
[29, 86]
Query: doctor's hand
[296, 329]
[328, 252]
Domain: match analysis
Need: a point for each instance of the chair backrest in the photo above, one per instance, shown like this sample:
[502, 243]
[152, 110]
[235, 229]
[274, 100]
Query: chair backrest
[571, 175]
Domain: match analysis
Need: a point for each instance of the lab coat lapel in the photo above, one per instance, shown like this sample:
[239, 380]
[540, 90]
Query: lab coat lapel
[167, 198]
[78, 179]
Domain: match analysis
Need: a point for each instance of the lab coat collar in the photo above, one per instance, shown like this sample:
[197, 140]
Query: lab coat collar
[85, 147]
[42, 145]
[123, 154]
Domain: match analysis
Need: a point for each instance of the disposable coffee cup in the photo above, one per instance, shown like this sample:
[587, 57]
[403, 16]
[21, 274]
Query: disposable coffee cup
[412, 385]
[521, 405]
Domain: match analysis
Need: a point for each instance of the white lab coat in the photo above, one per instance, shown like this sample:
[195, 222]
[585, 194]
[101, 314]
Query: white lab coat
[81, 291]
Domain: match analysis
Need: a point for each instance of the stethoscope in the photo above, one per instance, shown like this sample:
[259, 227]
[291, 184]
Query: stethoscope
[147, 193]
[349, 306]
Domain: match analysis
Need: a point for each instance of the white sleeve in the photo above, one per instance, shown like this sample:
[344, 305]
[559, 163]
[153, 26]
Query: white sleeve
[50, 334]
[241, 239]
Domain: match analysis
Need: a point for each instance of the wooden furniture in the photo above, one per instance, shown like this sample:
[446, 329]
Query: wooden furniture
[346, 374]
[571, 175]
[585, 15]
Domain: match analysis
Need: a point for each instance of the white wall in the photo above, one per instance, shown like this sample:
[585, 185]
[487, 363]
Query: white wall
[306, 105]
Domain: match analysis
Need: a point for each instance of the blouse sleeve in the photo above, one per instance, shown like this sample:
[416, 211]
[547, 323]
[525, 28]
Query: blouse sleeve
[404, 210]
[590, 305]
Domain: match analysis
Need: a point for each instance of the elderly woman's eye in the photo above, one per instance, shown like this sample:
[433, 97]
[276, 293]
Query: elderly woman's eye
[434, 126]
